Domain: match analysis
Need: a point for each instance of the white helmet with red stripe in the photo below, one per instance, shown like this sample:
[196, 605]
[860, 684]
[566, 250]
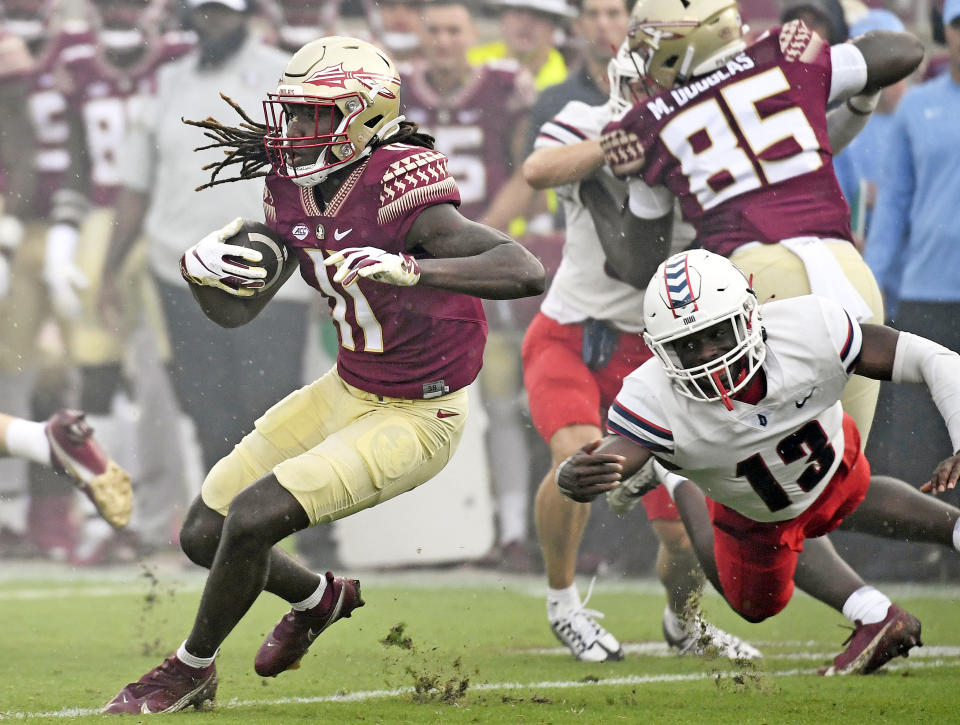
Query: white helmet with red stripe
[691, 292]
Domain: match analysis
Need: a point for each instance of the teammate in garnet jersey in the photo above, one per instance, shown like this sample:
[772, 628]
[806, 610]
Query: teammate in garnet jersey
[368, 209]
[743, 401]
[740, 135]
[27, 374]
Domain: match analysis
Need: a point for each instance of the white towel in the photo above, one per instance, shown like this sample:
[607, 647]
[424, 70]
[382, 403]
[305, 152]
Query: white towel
[826, 277]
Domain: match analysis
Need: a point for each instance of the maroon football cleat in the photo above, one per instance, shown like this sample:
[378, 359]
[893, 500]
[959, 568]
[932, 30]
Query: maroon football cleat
[289, 641]
[74, 450]
[171, 687]
[871, 646]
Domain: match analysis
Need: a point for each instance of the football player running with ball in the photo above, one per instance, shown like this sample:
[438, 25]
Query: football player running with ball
[744, 401]
[369, 211]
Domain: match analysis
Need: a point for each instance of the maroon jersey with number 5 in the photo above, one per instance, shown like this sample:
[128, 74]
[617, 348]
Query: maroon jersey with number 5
[745, 147]
[404, 342]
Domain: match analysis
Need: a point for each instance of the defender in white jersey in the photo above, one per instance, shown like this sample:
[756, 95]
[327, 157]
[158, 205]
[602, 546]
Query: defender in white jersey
[746, 407]
[587, 337]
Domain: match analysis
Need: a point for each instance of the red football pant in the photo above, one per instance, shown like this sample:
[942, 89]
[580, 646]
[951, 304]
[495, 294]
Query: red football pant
[563, 391]
[756, 560]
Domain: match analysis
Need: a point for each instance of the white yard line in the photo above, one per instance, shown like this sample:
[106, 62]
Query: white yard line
[364, 695]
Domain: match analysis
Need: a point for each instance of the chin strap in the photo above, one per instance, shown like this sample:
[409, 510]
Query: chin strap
[715, 376]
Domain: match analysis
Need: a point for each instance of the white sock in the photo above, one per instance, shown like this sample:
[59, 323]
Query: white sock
[512, 510]
[26, 439]
[866, 605]
[562, 601]
[192, 660]
[313, 600]
[956, 535]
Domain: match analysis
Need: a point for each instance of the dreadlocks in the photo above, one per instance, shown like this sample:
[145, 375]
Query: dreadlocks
[242, 145]
[408, 133]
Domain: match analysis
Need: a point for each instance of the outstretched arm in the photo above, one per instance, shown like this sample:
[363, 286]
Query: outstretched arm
[558, 165]
[599, 466]
[906, 358]
[472, 258]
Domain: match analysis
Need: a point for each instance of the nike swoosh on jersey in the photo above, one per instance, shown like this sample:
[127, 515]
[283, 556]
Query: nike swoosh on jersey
[338, 235]
[445, 414]
[801, 403]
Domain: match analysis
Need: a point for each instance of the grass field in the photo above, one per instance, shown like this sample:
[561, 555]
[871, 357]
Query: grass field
[457, 647]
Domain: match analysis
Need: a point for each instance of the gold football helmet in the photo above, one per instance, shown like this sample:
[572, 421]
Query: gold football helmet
[680, 39]
[336, 95]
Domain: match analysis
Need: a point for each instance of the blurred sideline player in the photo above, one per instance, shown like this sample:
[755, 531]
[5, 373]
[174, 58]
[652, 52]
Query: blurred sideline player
[395, 25]
[478, 117]
[770, 202]
[296, 22]
[743, 401]
[33, 376]
[66, 444]
[583, 342]
[104, 79]
[347, 171]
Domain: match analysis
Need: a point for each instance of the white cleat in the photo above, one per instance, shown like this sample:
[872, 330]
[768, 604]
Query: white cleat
[702, 639]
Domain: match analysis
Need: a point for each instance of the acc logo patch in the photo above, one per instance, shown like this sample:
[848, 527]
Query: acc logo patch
[300, 231]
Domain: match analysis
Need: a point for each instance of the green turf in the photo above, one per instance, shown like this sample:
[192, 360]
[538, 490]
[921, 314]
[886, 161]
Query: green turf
[463, 649]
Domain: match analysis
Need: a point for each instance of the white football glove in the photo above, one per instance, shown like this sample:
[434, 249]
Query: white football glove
[64, 279]
[376, 264]
[211, 263]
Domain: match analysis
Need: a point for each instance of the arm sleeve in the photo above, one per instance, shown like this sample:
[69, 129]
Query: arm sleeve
[849, 71]
[648, 202]
[919, 360]
[890, 225]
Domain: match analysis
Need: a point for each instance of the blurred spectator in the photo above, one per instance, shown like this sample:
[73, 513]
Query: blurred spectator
[530, 30]
[600, 27]
[102, 79]
[395, 24]
[224, 378]
[293, 23]
[478, 116]
[33, 377]
[858, 165]
[914, 245]
[824, 17]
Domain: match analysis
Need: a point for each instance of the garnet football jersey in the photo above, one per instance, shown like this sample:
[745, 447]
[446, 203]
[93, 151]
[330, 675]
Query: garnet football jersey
[48, 109]
[767, 461]
[474, 126]
[106, 96]
[745, 147]
[404, 342]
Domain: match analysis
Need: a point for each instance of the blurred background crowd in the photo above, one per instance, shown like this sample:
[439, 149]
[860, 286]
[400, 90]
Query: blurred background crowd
[98, 202]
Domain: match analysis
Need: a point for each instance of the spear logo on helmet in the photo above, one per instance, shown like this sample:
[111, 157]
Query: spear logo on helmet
[336, 76]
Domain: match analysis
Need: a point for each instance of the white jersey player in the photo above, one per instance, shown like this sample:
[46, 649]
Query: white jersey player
[586, 337]
[743, 400]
